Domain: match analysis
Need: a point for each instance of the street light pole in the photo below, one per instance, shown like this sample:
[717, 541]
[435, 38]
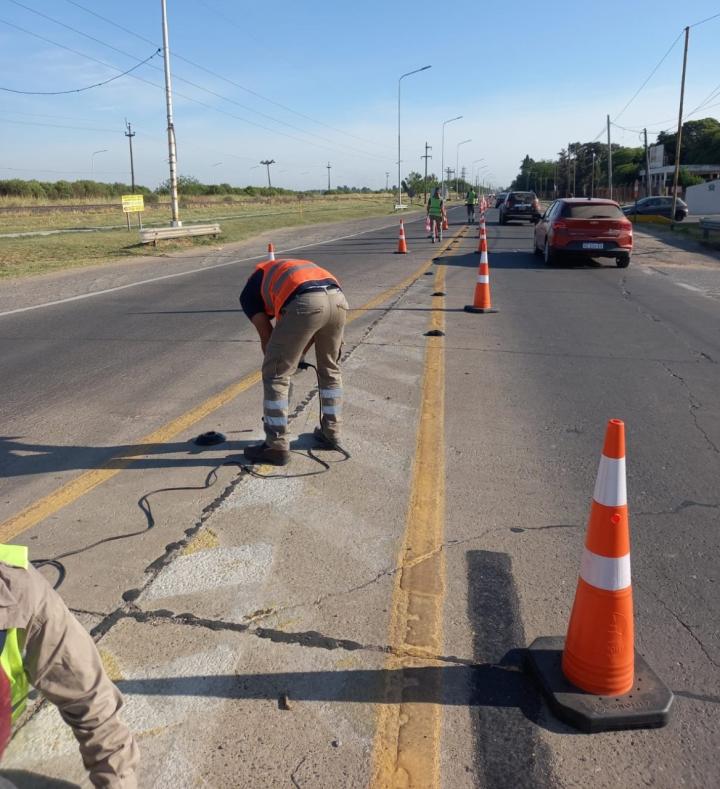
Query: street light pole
[457, 162]
[172, 153]
[130, 134]
[442, 156]
[417, 70]
[92, 159]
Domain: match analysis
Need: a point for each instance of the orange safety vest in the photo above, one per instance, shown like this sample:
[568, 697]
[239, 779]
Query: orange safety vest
[282, 277]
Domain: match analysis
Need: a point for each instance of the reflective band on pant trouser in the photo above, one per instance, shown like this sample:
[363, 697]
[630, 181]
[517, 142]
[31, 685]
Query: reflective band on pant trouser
[331, 408]
[604, 572]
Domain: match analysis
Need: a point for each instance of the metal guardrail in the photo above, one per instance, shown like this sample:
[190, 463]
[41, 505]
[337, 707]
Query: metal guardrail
[155, 234]
[709, 224]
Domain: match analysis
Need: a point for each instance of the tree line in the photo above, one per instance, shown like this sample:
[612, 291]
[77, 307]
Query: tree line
[582, 168]
[188, 186]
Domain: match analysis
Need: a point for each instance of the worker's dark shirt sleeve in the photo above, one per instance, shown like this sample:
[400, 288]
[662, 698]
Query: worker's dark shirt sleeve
[251, 299]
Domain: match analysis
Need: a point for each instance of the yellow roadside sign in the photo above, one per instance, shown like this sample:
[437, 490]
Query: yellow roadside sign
[131, 203]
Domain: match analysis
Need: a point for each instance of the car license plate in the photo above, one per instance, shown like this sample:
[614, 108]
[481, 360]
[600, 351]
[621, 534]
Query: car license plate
[593, 245]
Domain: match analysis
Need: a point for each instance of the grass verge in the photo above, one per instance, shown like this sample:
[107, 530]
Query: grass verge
[239, 221]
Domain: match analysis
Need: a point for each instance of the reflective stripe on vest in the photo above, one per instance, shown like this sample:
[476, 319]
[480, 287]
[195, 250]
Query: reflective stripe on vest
[282, 277]
[11, 658]
[435, 206]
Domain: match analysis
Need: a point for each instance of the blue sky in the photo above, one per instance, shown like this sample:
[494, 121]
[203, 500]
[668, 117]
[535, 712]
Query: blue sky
[527, 77]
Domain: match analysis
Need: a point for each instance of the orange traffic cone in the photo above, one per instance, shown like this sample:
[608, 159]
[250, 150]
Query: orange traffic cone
[482, 301]
[593, 678]
[402, 245]
[599, 647]
[482, 235]
[445, 223]
[271, 251]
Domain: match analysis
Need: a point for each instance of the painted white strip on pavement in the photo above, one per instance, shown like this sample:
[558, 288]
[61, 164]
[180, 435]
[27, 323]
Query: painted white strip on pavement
[81, 296]
[610, 485]
[603, 572]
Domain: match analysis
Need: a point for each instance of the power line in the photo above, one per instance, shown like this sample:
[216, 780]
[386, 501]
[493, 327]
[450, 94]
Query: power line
[177, 93]
[703, 21]
[80, 90]
[60, 126]
[220, 76]
[652, 74]
[194, 84]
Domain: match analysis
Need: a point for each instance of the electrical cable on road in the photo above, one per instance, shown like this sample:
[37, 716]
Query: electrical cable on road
[87, 87]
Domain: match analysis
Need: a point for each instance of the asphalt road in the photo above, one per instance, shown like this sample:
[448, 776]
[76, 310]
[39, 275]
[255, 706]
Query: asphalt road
[299, 586]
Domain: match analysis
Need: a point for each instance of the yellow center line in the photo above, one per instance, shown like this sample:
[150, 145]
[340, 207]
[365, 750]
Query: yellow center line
[407, 740]
[66, 494]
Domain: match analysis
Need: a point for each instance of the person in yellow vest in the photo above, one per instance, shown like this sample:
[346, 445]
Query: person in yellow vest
[45, 646]
[436, 214]
[308, 307]
[471, 200]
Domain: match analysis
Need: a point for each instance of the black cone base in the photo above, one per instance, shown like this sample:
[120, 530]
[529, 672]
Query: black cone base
[646, 706]
[210, 438]
[484, 310]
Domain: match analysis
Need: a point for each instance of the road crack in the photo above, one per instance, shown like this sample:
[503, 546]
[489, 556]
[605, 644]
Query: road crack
[694, 407]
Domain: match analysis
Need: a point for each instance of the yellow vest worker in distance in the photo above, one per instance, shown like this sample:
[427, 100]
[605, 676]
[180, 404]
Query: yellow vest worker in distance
[309, 308]
[436, 214]
[44, 645]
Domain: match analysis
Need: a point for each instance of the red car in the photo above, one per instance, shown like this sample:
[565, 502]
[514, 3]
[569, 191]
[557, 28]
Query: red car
[584, 226]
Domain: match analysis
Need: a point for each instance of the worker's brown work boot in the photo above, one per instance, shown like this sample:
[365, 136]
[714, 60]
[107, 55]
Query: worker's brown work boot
[262, 453]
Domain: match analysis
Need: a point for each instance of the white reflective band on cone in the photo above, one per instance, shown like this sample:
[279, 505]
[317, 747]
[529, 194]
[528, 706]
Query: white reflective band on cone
[603, 572]
[483, 279]
[610, 485]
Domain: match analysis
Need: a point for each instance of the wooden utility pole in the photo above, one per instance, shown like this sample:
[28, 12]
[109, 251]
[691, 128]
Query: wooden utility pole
[426, 157]
[678, 141]
[267, 163]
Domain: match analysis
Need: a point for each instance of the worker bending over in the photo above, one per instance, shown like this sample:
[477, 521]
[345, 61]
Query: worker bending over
[309, 308]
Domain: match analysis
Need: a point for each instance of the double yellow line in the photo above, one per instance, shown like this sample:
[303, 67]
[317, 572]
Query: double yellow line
[407, 740]
[66, 494]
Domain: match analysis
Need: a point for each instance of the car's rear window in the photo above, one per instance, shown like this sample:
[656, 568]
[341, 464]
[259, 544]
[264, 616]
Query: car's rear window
[522, 197]
[591, 211]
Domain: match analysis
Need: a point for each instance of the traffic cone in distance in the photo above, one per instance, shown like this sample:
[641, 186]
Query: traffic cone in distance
[481, 300]
[482, 236]
[271, 251]
[599, 647]
[402, 244]
[594, 679]
[445, 223]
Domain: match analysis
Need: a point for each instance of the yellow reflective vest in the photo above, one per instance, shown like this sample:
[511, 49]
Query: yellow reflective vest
[11, 658]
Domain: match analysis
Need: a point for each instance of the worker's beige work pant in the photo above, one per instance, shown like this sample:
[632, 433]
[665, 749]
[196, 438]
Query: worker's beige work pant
[61, 661]
[318, 315]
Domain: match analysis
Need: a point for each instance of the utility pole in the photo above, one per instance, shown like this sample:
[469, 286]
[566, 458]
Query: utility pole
[329, 166]
[647, 167]
[130, 134]
[678, 141]
[426, 157]
[267, 163]
[609, 159]
[172, 154]
[592, 177]
[387, 182]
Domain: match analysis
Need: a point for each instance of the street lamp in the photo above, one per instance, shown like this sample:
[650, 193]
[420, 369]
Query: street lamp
[92, 159]
[472, 167]
[417, 70]
[442, 156]
[457, 161]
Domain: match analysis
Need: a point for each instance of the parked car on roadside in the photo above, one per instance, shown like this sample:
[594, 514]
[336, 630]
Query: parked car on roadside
[657, 206]
[519, 205]
[584, 226]
[500, 199]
